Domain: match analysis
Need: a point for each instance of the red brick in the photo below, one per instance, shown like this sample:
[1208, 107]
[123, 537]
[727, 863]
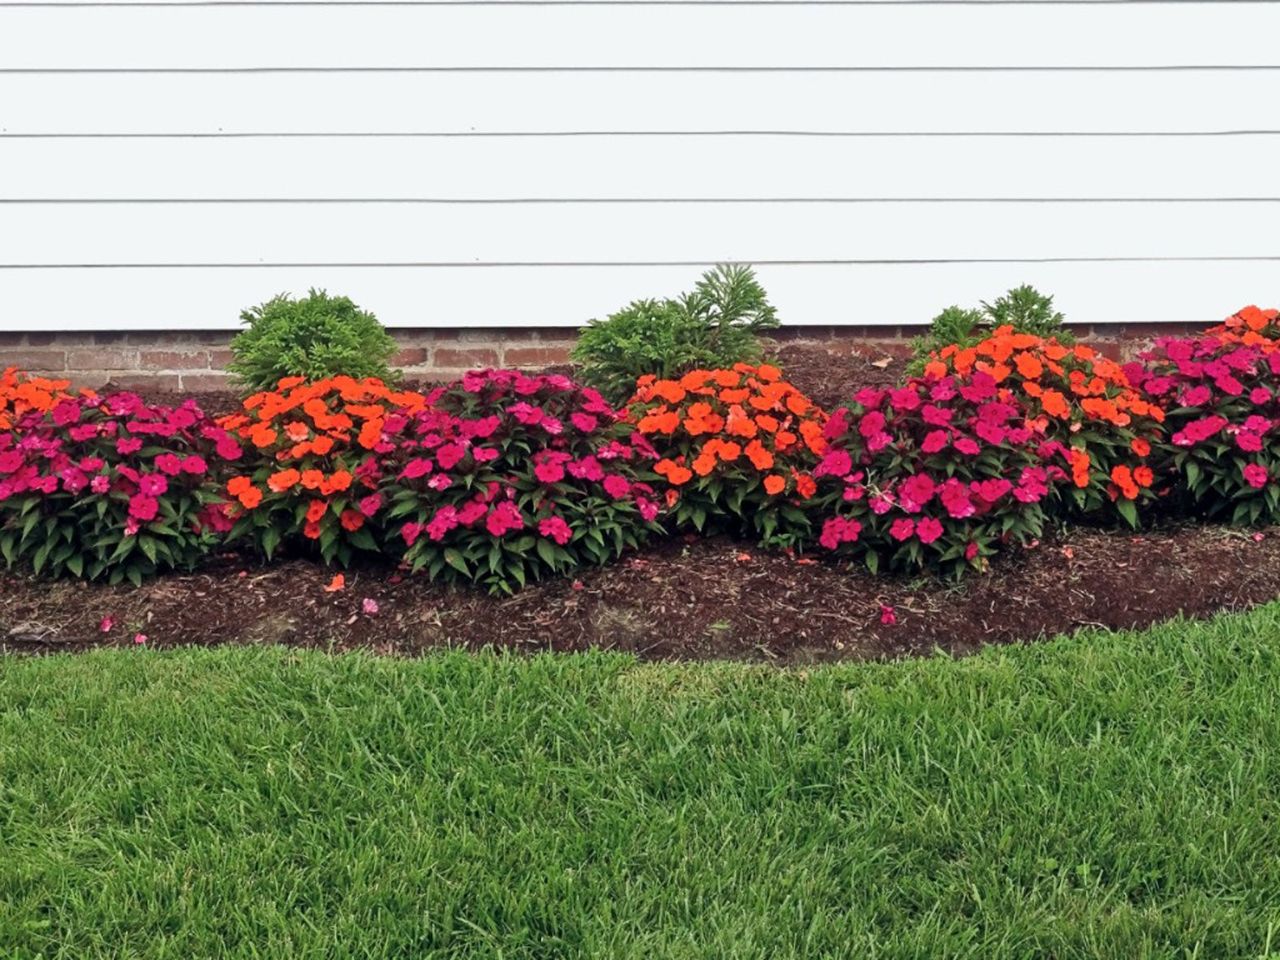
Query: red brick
[175, 359]
[128, 381]
[34, 359]
[102, 358]
[219, 357]
[41, 339]
[535, 356]
[465, 358]
[409, 357]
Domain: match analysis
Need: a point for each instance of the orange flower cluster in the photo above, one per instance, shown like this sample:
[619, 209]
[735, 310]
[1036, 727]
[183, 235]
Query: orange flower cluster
[317, 442]
[1251, 327]
[20, 392]
[743, 420]
[1075, 395]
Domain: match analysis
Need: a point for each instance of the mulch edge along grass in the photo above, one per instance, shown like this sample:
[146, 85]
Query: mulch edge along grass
[1105, 795]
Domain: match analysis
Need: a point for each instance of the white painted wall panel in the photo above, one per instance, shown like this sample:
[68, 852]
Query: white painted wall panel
[630, 36]
[461, 103]
[211, 298]
[628, 233]
[1151, 128]
[652, 167]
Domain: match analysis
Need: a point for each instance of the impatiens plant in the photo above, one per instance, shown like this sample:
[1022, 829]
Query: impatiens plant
[1081, 399]
[737, 448]
[108, 488]
[20, 393]
[1250, 327]
[503, 478]
[313, 466]
[940, 472]
[1223, 446]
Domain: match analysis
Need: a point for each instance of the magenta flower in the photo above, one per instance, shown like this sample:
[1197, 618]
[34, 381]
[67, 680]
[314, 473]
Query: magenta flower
[616, 486]
[168, 463]
[152, 485]
[928, 529]
[556, 529]
[902, 529]
[1255, 475]
[143, 507]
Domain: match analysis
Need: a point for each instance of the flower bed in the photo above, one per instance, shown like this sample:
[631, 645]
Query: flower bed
[503, 478]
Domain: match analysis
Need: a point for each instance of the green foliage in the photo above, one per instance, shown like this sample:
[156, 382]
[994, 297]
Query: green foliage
[715, 325]
[316, 337]
[1024, 308]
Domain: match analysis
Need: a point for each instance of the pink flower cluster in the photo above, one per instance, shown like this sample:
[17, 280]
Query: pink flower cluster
[122, 466]
[938, 463]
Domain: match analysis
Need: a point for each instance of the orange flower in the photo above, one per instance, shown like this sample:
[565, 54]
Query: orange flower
[316, 510]
[311, 530]
[805, 485]
[1140, 447]
[297, 431]
[729, 452]
[238, 485]
[341, 480]
[768, 372]
[312, 479]
[1123, 478]
[284, 480]
[760, 458]
[675, 474]
[336, 584]
[704, 464]
[1143, 476]
[250, 498]
[262, 436]
[774, 484]
[351, 520]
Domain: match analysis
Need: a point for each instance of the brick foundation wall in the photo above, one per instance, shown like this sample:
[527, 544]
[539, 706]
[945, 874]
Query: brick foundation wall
[195, 361]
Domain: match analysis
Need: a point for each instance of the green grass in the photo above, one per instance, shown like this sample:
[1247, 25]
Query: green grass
[1112, 795]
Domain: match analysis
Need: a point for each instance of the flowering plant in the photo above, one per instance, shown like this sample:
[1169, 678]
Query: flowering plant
[314, 465]
[20, 392]
[501, 478]
[938, 472]
[1080, 398]
[1250, 327]
[108, 487]
[1223, 445]
[736, 445]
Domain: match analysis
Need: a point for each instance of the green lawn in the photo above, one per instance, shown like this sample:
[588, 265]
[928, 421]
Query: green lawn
[1112, 795]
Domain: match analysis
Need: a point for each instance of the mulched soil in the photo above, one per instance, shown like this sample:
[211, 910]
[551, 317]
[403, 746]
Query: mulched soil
[683, 599]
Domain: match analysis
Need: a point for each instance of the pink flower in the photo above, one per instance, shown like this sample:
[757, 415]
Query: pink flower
[556, 529]
[411, 532]
[169, 464]
[966, 445]
[440, 482]
[143, 507]
[449, 455]
[888, 616]
[915, 492]
[369, 607]
[228, 449]
[66, 412]
[1249, 442]
[128, 445]
[100, 484]
[584, 422]
[106, 624]
[838, 530]
[934, 441]
[835, 463]
[928, 529]
[588, 468]
[418, 467]
[955, 499]
[504, 518]
[139, 638]
[971, 550]
[648, 509]
[616, 486]
[1259, 395]
[194, 465]
[1255, 475]
[444, 520]
[153, 485]
[371, 504]
[902, 529]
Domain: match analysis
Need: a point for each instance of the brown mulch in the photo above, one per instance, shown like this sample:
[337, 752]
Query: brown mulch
[831, 379]
[681, 600]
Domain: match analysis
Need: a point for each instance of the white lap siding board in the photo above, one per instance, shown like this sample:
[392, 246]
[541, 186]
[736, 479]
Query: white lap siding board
[537, 164]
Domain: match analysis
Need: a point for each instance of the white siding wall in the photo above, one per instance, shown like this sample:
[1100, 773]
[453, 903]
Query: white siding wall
[540, 162]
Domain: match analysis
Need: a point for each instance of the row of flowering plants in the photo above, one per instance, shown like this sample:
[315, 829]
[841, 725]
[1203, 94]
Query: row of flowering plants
[737, 449]
[502, 478]
[106, 487]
